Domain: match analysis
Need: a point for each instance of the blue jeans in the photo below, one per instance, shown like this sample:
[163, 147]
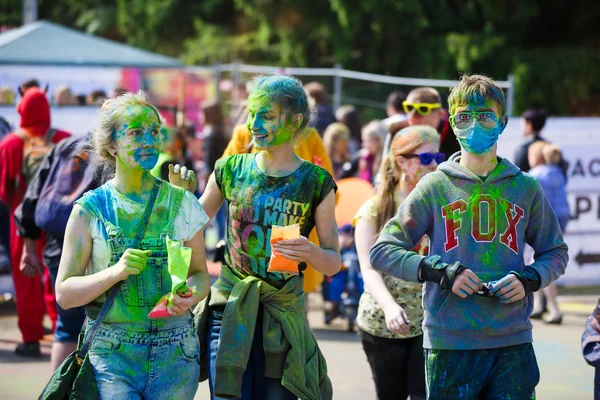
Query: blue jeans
[69, 322]
[135, 365]
[254, 384]
[503, 373]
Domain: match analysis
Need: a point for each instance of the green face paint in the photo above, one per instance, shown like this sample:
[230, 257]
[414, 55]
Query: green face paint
[267, 124]
[138, 140]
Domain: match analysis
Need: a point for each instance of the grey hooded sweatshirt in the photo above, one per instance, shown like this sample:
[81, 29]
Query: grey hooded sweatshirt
[483, 224]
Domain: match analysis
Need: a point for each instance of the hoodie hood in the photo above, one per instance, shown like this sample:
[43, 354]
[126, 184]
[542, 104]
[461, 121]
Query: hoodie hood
[34, 110]
[452, 167]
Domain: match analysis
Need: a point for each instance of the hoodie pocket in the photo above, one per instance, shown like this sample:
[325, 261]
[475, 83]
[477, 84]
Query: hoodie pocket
[435, 299]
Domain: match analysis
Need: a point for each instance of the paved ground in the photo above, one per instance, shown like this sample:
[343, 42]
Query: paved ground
[564, 373]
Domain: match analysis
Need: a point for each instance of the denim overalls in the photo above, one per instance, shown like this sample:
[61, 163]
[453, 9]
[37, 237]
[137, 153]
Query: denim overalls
[132, 355]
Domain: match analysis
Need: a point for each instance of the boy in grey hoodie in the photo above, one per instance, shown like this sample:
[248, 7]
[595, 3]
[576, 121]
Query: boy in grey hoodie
[479, 210]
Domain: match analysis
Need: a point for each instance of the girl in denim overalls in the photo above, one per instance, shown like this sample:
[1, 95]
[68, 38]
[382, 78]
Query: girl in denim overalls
[133, 356]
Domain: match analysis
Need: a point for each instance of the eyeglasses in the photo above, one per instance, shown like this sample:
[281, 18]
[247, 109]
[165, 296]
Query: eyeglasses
[465, 119]
[422, 108]
[427, 158]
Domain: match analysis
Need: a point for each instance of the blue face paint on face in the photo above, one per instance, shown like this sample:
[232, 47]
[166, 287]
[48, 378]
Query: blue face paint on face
[477, 139]
[146, 159]
[138, 142]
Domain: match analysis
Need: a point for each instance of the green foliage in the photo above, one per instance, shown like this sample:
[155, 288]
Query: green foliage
[563, 79]
[552, 48]
[10, 13]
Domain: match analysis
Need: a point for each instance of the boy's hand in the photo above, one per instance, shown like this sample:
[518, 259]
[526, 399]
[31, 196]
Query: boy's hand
[508, 289]
[466, 283]
[182, 177]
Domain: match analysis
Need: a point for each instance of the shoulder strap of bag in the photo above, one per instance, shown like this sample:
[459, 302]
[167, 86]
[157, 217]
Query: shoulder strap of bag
[115, 289]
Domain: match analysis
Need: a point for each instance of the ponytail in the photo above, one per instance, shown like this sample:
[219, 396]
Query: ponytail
[386, 204]
[403, 142]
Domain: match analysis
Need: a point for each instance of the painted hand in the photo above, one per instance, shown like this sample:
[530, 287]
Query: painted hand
[181, 304]
[31, 265]
[466, 283]
[182, 177]
[396, 319]
[294, 249]
[132, 262]
[508, 289]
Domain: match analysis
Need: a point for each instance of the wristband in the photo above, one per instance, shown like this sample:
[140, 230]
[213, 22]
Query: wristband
[529, 278]
[433, 270]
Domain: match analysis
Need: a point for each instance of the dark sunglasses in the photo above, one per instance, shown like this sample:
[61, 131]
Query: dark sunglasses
[427, 158]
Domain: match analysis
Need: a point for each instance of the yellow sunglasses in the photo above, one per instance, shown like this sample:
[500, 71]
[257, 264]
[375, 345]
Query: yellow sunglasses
[422, 108]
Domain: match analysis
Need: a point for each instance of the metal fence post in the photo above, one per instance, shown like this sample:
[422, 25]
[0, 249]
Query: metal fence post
[510, 98]
[218, 77]
[337, 87]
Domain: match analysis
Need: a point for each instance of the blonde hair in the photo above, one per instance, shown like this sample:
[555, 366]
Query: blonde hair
[475, 89]
[544, 153]
[64, 97]
[375, 130]
[110, 119]
[334, 133]
[552, 154]
[424, 95]
[404, 142]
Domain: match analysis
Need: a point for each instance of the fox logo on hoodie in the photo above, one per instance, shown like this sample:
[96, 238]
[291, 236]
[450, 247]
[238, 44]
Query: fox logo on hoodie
[484, 227]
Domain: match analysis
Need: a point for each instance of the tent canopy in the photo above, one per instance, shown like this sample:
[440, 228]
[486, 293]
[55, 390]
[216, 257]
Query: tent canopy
[46, 43]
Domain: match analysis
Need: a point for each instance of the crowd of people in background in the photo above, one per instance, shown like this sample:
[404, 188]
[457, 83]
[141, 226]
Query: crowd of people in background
[389, 154]
[61, 97]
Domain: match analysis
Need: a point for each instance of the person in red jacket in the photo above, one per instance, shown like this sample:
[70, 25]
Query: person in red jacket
[34, 110]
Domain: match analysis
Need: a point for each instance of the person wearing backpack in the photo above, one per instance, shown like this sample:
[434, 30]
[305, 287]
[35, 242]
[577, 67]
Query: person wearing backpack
[66, 173]
[20, 153]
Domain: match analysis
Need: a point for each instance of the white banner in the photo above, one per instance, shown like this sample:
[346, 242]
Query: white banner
[579, 140]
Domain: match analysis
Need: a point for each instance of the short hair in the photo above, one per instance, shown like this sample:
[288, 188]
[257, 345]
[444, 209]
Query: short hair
[395, 100]
[28, 84]
[97, 95]
[316, 91]
[552, 154]
[425, 95]
[549, 153]
[284, 90]
[536, 117]
[476, 89]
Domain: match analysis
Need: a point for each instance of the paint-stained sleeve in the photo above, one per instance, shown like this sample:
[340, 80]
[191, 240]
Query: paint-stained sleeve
[191, 218]
[392, 252]
[327, 186]
[544, 235]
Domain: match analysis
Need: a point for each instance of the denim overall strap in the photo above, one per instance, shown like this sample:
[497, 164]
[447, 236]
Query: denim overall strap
[115, 289]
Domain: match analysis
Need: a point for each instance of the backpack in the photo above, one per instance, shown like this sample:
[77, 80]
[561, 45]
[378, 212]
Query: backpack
[35, 149]
[71, 175]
